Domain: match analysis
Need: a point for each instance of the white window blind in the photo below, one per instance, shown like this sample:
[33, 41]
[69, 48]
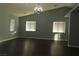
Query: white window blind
[59, 27]
[30, 25]
[12, 24]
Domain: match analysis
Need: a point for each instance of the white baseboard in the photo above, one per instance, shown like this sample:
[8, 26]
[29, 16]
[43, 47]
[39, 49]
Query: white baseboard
[36, 38]
[7, 39]
[30, 38]
[42, 38]
[73, 46]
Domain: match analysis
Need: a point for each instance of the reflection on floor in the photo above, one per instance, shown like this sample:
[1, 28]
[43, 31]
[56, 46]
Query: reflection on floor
[36, 47]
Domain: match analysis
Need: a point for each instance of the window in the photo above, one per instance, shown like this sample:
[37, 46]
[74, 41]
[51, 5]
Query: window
[30, 25]
[59, 27]
[12, 24]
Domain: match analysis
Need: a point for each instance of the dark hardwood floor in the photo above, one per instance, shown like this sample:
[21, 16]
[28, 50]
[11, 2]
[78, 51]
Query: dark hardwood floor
[36, 47]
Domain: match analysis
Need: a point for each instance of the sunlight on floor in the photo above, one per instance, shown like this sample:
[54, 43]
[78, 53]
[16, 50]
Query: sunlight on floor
[56, 48]
[57, 37]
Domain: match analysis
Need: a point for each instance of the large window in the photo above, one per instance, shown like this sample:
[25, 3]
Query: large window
[12, 24]
[59, 27]
[30, 25]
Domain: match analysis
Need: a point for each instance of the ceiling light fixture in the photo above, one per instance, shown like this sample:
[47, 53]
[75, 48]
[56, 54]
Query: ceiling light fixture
[38, 9]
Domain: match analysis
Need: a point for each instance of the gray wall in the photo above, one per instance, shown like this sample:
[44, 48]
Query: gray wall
[44, 23]
[74, 28]
[5, 18]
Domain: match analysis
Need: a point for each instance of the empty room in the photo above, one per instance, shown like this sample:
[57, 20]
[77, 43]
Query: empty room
[39, 29]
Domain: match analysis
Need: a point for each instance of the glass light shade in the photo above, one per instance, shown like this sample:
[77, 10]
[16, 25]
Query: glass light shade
[38, 9]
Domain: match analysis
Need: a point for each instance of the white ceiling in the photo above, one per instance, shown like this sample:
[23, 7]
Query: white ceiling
[21, 9]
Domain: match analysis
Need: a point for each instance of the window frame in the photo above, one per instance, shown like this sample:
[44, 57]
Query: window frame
[30, 23]
[12, 25]
[64, 27]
